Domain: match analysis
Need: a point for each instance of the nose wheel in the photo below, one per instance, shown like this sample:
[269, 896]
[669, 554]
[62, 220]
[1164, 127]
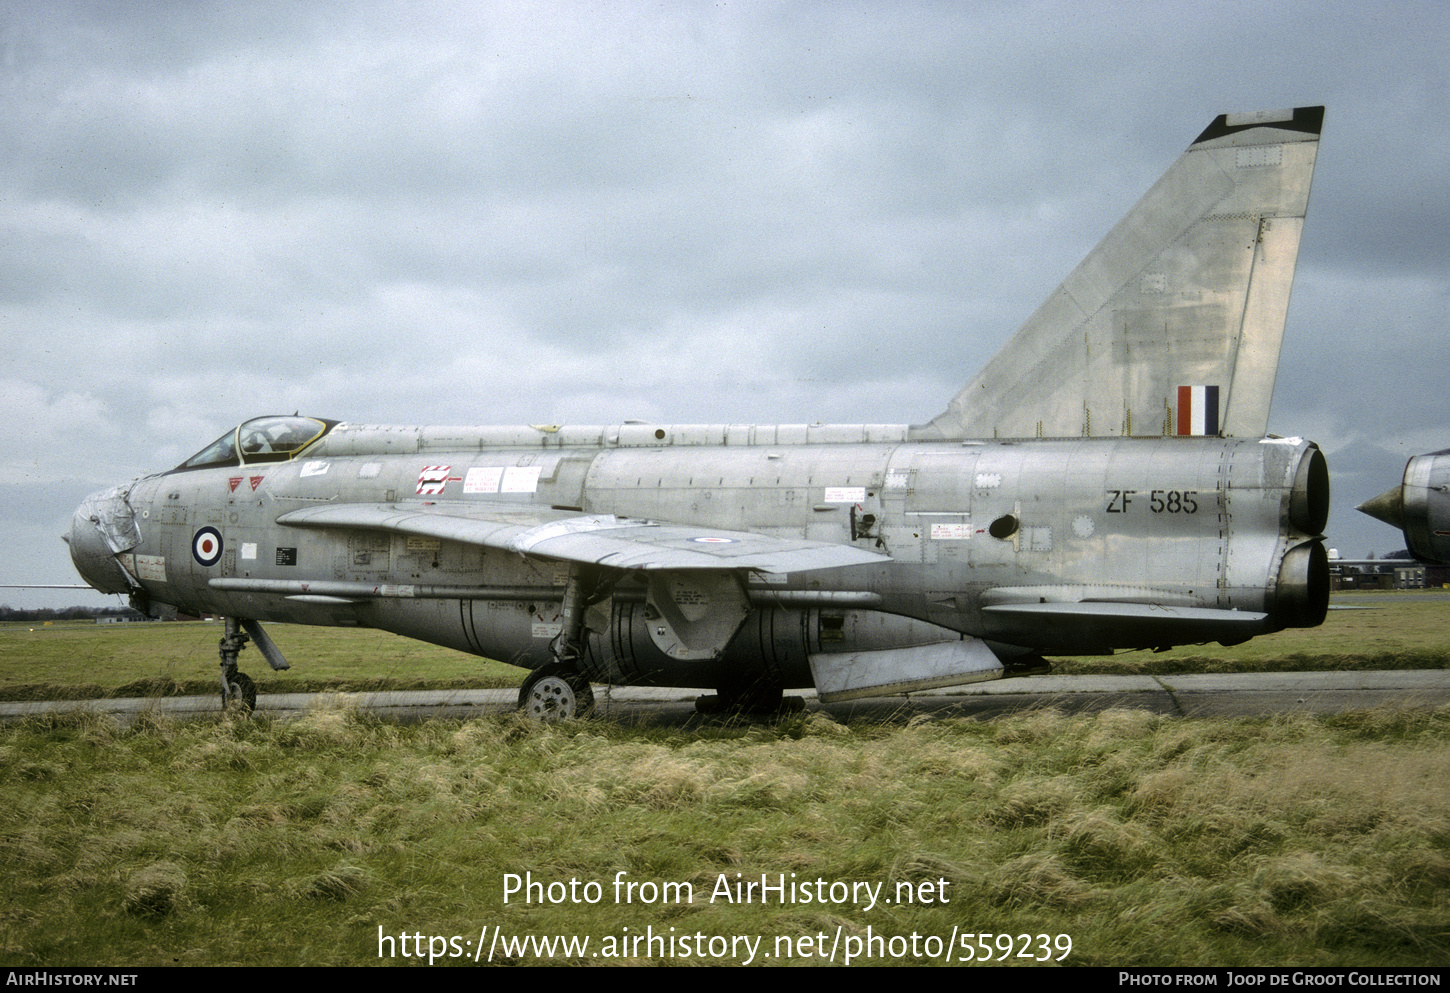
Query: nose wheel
[240, 695]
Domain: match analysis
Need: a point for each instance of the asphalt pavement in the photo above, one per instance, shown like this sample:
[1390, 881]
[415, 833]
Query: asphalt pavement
[1190, 695]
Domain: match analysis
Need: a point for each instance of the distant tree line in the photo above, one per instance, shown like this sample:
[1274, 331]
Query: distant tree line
[8, 613]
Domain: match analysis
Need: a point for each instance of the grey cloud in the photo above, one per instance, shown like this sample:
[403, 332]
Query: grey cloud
[772, 212]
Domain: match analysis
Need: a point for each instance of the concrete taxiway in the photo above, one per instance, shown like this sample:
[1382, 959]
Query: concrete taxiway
[1192, 695]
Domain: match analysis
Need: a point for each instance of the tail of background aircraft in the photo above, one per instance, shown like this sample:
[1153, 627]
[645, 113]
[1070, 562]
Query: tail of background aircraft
[1173, 323]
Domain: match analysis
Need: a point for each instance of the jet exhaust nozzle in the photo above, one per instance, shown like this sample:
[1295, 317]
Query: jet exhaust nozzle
[1309, 498]
[1301, 596]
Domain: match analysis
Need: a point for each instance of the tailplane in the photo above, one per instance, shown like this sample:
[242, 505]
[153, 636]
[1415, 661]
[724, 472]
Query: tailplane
[1173, 323]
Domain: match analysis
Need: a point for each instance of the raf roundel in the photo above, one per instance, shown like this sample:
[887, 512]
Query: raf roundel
[206, 546]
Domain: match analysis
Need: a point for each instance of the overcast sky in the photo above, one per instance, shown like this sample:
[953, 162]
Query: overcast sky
[759, 212]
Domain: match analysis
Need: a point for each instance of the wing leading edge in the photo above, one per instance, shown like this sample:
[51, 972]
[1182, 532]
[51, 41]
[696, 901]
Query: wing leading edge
[592, 539]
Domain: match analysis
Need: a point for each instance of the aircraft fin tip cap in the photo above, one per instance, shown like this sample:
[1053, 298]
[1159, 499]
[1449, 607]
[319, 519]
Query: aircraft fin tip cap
[1309, 120]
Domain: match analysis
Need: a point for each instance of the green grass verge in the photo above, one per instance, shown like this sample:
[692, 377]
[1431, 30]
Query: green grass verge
[82, 660]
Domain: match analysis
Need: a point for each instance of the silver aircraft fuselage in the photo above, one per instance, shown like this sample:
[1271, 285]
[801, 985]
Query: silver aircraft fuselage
[1035, 546]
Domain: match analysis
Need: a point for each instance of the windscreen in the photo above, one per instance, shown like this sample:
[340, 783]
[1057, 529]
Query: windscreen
[262, 439]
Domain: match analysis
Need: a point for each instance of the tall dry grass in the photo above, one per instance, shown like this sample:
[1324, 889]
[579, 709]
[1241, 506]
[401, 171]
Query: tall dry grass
[1149, 840]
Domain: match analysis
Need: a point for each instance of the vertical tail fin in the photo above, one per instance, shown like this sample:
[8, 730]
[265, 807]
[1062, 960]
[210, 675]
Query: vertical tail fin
[1190, 289]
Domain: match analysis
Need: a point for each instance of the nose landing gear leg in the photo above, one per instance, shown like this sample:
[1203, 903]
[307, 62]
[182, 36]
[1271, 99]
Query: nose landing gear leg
[239, 693]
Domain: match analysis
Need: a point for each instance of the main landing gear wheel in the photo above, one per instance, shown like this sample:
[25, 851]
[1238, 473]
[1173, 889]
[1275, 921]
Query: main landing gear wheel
[553, 693]
[241, 694]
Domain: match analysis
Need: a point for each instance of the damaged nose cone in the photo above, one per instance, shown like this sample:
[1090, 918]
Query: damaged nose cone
[1389, 507]
[103, 527]
[93, 558]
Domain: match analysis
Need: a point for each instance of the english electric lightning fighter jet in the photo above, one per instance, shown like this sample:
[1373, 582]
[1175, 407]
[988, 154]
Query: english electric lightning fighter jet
[1104, 483]
[1419, 506]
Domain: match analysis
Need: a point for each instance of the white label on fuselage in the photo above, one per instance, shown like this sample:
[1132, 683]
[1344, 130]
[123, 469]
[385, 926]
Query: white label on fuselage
[520, 479]
[845, 494]
[249, 549]
[951, 532]
[482, 480]
[314, 468]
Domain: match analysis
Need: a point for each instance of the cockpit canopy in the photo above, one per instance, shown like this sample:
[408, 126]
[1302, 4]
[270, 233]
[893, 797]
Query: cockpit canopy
[262, 439]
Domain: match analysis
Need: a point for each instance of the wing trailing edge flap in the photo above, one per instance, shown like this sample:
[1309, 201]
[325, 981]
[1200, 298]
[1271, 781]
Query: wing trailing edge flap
[850, 675]
[592, 539]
